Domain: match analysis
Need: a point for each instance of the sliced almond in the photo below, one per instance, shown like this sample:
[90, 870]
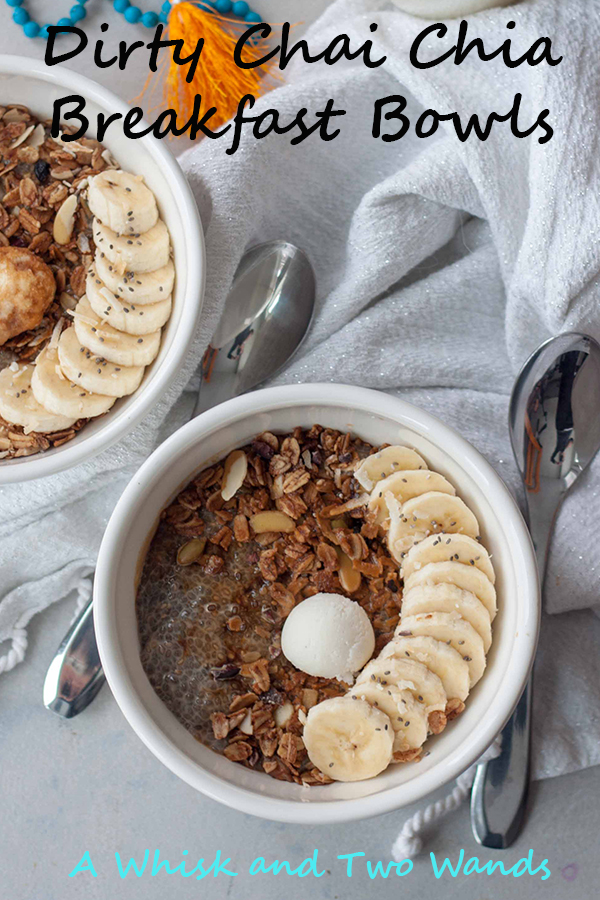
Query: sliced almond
[38, 136]
[190, 552]
[283, 714]
[246, 724]
[236, 466]
[65, 220]
[67, 301]
[350, 577]
[22, 138]
[310, 697]
[272, 520]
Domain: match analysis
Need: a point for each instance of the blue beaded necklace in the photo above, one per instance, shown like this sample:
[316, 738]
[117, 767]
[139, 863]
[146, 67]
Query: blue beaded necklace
[132, 14]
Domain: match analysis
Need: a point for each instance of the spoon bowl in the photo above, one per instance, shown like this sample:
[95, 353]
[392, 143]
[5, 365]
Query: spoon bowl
[266, 316]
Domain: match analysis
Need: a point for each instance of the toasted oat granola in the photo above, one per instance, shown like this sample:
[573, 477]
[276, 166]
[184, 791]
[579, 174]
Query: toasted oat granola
[214, 594]
[37, 175]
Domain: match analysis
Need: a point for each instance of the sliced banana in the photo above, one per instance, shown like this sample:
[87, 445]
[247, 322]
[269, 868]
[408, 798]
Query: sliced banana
[410, 675]
[445, 547]
[123, 314]
[441, 659]
[449, 598]
[347, 739]
[455, 630]
[19, 406]
[408, 717]
[379, 465]
[61, 396]
[466, 577]
[95, 373]
[115, 346]
[122, 202]
[404, 485]
[137, 287]
[135, 253]
[426, 514]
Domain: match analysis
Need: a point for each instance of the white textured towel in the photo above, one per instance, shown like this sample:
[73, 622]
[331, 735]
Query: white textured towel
[440, 266]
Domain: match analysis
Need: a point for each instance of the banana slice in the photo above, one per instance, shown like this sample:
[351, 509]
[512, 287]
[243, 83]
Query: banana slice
[138, 288]
[449, 598]
[421, 516]
[441, 659]
[404, 485]
[466, 577]
[452, 628]
[94, 373]
[408, 717]
[123, 314]
[348, 740]
[136, 253]
[115, 346]
[445, 547]
[410, 675]
[19, 406]
[379, 465]
[61, 396]
[122, 202]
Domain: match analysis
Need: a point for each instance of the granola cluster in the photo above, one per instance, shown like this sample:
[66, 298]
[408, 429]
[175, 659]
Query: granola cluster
[296, 525]
[38, 175]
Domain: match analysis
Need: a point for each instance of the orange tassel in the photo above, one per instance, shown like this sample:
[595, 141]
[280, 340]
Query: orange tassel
[217, 79]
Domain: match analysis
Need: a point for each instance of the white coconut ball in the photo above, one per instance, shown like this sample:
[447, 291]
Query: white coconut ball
[328, 636]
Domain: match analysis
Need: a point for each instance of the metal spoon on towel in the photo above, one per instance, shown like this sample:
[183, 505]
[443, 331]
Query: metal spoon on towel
[554, 422]
[264, 321]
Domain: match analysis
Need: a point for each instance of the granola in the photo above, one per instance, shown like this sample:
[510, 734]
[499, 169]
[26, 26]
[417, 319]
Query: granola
[43, 209]
[215, 592]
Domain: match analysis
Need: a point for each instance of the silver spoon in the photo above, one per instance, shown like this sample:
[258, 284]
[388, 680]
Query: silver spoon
[554, 423]
[266, 316]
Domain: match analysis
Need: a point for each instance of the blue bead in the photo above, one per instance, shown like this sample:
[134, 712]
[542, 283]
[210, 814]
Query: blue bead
[20, 16]
[166, 7]
[133, 14]
[241, 9]
[121, 5]
[164, 18]
[253, 17]
[223, 6]
[77, 13]
[31, 29]
[150, 19]
[65, 22]
[44, 31]
[14, 2]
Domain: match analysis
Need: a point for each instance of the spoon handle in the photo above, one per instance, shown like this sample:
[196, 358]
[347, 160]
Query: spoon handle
[501, 786]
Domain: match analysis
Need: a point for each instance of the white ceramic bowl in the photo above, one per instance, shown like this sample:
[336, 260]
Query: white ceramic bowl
[376, 418]
[31, 82]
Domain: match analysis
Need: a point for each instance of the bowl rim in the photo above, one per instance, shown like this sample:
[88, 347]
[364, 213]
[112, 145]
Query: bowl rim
[242, 799]
[71, 454]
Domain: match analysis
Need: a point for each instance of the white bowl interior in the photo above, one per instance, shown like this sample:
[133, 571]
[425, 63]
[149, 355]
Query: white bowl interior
[149, 158]
[377, 421]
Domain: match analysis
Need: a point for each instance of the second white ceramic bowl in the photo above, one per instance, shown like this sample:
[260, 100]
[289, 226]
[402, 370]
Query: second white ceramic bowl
[378, 419]
[34, 84]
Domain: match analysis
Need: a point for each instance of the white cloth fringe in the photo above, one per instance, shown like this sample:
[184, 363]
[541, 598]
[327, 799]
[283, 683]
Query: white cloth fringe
[18, 638]
[409, 842]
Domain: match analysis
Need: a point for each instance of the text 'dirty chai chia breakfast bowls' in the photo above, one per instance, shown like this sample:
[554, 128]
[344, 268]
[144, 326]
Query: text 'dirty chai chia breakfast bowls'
[101, 277]
[316, 603]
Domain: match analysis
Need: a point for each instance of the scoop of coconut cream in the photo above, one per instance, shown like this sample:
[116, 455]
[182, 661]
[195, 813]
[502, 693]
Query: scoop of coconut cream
[328, 636]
